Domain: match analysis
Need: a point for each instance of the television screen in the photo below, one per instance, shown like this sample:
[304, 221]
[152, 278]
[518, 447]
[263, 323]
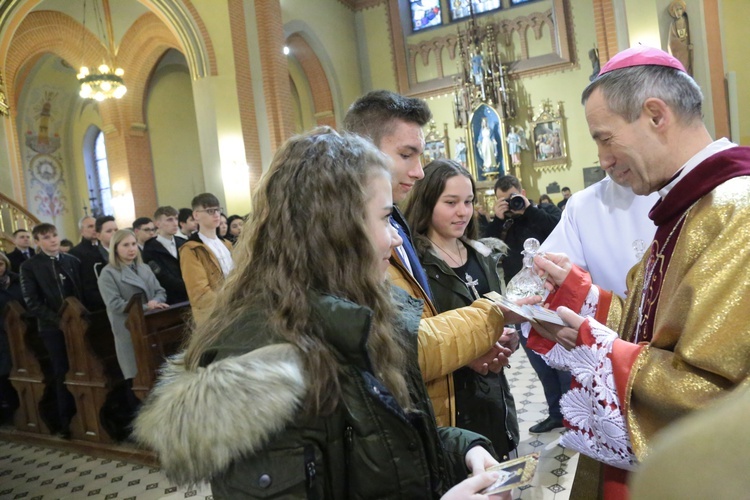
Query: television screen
[460, 9]
[425, 14]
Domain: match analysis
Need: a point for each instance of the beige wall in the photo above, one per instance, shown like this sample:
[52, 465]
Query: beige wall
[170, 117]
[329, 27]
[87, 114]
[375, 49]
[735, 14]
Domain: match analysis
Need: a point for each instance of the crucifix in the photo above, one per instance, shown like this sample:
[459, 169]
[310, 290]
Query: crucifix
[471, 284]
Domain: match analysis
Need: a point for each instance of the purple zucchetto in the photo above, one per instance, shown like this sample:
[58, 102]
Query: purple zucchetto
[641, 55]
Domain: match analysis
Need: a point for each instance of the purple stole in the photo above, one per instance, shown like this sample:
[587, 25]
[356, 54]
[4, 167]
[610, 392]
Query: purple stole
[669, 215]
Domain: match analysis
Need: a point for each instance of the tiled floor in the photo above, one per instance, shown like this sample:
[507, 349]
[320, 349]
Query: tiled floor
[33, 472]
[557, 465]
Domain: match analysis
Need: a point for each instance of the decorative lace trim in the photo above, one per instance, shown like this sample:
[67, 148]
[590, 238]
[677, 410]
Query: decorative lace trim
[597, 426]
[591, 302]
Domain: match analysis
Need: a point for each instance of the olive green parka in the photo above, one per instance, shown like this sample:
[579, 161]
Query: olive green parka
[237, 421]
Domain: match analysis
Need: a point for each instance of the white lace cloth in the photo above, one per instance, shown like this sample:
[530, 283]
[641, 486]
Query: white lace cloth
[593, 410]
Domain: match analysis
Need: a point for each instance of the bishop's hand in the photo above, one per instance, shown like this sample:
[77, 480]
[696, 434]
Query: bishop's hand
[566, 336]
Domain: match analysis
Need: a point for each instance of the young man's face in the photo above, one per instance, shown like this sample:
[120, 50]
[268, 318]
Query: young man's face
[190, 226]
[208, 218]
[22, 240]
[108, 230]
[49, 243]
[145, 233]
[167, 225]
[88, 229]
[404, 145]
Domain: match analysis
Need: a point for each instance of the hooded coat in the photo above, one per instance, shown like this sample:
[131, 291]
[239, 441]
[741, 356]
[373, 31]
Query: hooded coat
[238, 420]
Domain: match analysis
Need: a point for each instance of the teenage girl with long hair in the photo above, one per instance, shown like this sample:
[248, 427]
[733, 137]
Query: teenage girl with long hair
[304, 382]
[460, 270]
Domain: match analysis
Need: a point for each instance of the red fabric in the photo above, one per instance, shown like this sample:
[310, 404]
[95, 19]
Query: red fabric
[572, 294]
[615, 483]
[602, 309]
[623, 358]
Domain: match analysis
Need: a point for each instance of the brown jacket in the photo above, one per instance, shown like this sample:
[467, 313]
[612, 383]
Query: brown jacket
[448, 341]
[202, 274]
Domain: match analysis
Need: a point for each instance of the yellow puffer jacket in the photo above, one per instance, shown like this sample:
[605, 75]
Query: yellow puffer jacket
[448, 341]
[202, 275]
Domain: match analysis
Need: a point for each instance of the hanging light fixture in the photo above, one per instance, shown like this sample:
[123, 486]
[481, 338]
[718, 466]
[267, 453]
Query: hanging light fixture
[104, 82]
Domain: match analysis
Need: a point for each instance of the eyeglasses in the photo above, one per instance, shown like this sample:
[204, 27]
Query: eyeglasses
[212, 211]
[149, 229]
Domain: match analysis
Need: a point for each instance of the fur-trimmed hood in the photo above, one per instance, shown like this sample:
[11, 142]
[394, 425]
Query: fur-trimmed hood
[483, 246]
[198, 431]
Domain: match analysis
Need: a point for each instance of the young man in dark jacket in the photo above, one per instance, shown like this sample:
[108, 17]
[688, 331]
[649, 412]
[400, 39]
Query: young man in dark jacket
[47, 279]
[23, 250]
[516, 220]
[88, 251]
[163, 257]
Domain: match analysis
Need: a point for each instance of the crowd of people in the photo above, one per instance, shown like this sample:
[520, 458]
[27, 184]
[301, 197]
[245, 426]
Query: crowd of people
[104, 271]
[342, 348]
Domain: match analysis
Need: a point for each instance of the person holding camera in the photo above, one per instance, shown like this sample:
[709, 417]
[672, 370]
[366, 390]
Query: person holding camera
[516, 220]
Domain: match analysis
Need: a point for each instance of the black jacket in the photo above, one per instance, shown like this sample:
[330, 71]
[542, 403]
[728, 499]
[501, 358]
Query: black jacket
[537, 221]
[8, 295]
[16, 258]
[92, 263]
[484, 403]
[166, 268]
[42, 289]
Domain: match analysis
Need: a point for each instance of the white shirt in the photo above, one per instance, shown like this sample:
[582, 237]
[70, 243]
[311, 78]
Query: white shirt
[169, 244]
[705, 153]
[220, 251]
[605, 230]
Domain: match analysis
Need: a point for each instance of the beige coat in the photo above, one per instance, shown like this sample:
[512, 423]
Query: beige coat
[202, 274]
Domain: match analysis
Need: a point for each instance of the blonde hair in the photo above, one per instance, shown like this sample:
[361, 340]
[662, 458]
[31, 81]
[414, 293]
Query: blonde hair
[308, 234]
[114, 259]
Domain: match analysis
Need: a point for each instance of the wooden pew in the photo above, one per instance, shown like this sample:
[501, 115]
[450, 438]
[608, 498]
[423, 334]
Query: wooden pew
[156, 335]
[93, 367]
[28, 372]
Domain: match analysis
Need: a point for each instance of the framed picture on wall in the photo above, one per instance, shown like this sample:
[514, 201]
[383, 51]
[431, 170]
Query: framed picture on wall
[436, 144]
[548, 137]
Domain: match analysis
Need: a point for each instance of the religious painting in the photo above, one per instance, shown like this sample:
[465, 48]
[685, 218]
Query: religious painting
[548, 137]
[45, 180]
[461, 8]
[436, 144]
[486, 137]
[425, 14]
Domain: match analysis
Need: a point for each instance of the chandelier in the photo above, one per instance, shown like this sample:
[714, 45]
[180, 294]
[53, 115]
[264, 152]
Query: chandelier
[104, 82]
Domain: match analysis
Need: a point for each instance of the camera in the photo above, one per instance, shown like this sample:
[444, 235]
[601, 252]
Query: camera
[516, 202]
